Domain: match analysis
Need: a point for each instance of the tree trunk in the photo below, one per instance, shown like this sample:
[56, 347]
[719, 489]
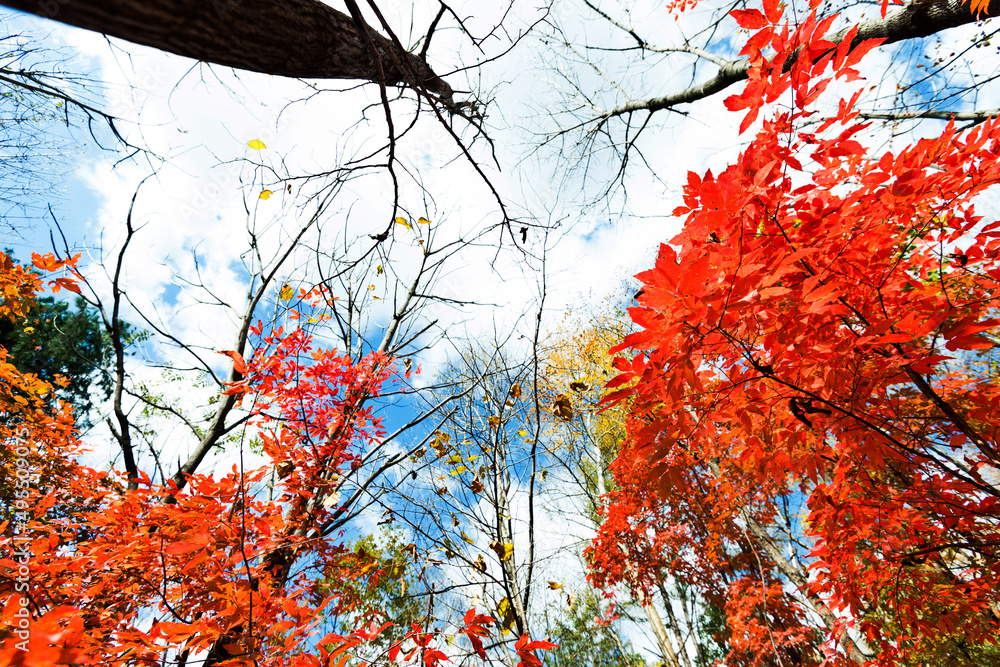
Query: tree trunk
[796, 574]
[293, 38]
[662, 640]
[674, 627]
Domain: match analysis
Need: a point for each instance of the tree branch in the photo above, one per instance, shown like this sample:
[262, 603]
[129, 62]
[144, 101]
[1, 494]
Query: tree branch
[293, 38]
[917, 19]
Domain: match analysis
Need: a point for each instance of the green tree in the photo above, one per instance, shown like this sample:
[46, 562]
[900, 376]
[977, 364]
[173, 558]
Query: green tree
[388, 595]
[584, 640]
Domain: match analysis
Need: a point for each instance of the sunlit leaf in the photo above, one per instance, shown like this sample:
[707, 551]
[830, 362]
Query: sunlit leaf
[266, 194]
[503, 550]
[286, 292]
[402, 221]
[256, 144]
[508, 619]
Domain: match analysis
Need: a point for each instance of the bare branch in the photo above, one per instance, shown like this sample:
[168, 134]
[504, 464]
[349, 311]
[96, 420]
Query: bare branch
[918, 19]
[970, 116]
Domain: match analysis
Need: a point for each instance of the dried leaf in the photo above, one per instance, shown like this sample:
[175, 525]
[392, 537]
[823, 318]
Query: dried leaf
[562, 408]
[503, 550]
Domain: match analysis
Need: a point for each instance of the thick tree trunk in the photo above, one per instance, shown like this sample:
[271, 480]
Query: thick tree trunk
[293, 38]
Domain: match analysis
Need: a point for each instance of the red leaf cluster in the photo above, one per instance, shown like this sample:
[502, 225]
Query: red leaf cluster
[811, 336]
[92, 572]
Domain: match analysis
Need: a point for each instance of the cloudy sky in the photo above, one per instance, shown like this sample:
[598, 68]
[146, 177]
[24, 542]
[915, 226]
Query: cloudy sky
[197, 182]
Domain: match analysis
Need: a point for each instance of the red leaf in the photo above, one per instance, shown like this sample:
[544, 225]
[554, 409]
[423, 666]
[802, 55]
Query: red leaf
[749, 19]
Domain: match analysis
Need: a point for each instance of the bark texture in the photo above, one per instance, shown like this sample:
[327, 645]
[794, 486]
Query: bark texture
[293, 38]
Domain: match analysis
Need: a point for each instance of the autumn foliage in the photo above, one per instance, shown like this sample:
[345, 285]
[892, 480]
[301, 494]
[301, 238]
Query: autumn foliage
[820, 334]
[219, 571]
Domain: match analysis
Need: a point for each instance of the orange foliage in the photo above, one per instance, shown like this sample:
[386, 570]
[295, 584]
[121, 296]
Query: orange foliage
[94, 573]
[807, 336]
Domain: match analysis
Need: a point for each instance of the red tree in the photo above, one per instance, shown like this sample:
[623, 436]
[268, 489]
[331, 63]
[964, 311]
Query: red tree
[95, 572]
[816, 328]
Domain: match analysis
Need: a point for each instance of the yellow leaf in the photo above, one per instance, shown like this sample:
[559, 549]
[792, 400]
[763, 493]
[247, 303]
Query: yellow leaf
[256, 144]
[459, 470]
[402, 221]
[508, 619]
[455, 460]
[378, 270]
[493, 421]
[522, 433]
[554, 585]
[286, 293]
[266, 194]
[423, 221]
[515, 391]
[467, 538]
[28, 330]
[503, 550]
